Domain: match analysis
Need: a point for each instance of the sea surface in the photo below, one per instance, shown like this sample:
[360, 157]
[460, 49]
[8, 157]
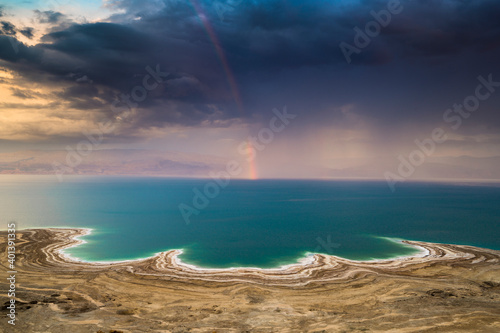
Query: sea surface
[252, 223]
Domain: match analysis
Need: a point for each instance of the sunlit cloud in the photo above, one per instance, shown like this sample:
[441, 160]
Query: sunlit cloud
[68, 66]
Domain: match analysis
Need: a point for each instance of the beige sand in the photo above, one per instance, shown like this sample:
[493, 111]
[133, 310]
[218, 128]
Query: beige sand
[450, 289]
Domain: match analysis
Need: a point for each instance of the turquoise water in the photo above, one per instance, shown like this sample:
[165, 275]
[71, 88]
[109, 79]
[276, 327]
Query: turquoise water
[264, 223]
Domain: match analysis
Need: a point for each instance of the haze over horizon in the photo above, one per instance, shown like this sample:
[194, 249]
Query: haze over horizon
[192, 85]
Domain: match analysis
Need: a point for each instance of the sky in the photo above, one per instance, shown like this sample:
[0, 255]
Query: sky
[361, 81]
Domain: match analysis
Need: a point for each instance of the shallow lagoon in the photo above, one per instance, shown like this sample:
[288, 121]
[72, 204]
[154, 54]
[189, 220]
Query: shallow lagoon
[262, 223]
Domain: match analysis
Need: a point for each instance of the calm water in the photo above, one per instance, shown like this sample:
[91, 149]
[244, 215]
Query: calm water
[263, 223]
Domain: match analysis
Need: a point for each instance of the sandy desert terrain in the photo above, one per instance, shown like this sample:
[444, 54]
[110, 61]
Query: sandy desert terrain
[449, 289]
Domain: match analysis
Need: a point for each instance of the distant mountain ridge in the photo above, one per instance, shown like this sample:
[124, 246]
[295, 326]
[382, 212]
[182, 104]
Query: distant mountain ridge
[178, 164]
[110, 162]
[462, 167]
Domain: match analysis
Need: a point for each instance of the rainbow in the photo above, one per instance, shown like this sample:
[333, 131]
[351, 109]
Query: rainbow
[229, 76]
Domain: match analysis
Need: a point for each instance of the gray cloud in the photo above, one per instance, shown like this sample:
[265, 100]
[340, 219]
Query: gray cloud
[7, 28]
[49, 16]
[27, 32]
[280, 52]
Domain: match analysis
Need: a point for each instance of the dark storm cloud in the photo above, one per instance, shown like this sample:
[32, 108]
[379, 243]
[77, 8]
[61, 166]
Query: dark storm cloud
[13, 51]
[281, 52]
[434, 29]
[27, 32]
[7, 28]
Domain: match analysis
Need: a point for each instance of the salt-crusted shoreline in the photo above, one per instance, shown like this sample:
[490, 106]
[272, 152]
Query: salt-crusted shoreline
[453, 287]
[308, 259]
[312, 268]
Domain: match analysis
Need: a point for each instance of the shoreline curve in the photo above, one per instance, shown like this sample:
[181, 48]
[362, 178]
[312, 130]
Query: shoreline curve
[313, 268]
[308, 258]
